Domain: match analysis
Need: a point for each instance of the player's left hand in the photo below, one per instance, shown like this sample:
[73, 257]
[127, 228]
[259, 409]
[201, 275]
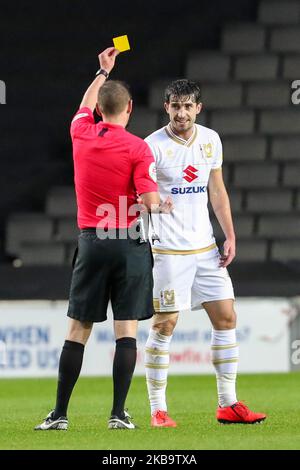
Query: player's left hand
[166, 206]
[228, 253]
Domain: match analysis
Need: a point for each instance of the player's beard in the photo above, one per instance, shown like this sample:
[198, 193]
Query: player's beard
[182, 127]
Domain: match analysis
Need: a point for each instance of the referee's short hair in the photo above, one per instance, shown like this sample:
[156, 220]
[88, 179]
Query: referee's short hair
[113, 97]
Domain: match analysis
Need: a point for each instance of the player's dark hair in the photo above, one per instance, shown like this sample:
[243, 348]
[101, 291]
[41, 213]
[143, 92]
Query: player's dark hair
[183, 88]
[113, 97]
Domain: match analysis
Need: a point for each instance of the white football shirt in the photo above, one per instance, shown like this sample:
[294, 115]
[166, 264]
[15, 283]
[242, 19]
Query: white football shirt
[183, 169]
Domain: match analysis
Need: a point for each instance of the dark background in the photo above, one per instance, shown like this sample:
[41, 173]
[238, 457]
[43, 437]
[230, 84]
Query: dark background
[48, 57]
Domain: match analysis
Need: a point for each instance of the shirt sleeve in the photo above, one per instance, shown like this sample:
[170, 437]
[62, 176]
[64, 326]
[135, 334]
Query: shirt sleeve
[152, 148]
[144, 170]
[82, 119]
[217, 153]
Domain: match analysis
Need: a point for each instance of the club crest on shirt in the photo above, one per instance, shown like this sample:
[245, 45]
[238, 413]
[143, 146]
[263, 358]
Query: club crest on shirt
[152, 172]
[167, 298]
[207, 150]
[169, 153]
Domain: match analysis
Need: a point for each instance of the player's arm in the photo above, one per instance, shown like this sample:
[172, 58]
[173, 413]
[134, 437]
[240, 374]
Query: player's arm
[154, 204]
[221, 206]
[107, 62]
[150, 200]
[145, 182]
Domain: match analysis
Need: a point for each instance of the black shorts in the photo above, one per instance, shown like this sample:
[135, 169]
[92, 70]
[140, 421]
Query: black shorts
[117, 270]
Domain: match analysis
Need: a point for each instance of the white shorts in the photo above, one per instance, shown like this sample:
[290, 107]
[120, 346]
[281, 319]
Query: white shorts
[183, 282]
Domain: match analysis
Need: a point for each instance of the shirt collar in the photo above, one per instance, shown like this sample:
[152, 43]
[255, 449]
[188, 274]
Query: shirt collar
[180, 140]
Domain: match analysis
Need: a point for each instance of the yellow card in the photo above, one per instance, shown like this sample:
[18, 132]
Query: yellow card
[121, 43]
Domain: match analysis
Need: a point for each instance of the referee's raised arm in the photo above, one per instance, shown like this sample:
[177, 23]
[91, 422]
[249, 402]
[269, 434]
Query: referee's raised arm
[106, 61]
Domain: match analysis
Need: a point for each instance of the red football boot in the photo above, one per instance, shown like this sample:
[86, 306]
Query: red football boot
[238, 413]
[161, 419]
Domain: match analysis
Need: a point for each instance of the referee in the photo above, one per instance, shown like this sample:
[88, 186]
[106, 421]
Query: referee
[111, 166]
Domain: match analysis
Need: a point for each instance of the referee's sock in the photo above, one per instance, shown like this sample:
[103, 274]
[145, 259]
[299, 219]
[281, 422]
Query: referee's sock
[123, 368]
[69, 369]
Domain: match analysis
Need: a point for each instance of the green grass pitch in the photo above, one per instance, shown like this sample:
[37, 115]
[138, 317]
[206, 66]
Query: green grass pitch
[192, 402]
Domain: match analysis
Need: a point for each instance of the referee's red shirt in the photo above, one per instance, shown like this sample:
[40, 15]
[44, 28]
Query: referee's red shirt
[109, 162]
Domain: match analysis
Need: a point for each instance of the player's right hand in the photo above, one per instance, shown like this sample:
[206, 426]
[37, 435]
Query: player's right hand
[228, 253]
[107, 58]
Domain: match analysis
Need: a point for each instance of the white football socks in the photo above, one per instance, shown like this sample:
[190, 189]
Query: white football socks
[225, 355]
[157, 366]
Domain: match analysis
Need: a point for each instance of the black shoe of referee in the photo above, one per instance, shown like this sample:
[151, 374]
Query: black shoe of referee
[115, 422]
[49, 423]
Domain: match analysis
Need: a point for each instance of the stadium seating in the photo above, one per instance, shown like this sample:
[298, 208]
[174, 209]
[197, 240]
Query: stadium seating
[285, 39]
[263, 59]
[291, 175]
[143, 121]
[279, 226]
[244, 226]
[280, 121]
[208, 66]
[251, 250]
[269, 201]
[67, 230]
[285, 148]
[291, 66]
[243, 38]
[51, 253]
[268, 95]
[244, 148]
[233, 122]
[278, 12]
[246, 91]
[256, 175]
[24, 227]
[61, 202]
[222, 95]
[156, 93]
[262, 66]
[236, 201]
[285, 250]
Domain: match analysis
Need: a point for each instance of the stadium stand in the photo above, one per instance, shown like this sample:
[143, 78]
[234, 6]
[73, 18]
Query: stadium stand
[246, 89]
[259, 125]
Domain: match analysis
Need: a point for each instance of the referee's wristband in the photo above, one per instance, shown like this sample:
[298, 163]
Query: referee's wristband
[102, 72]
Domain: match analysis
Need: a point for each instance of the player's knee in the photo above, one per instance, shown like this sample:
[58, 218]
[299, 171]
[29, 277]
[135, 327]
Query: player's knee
[228, 320]
[165, 327]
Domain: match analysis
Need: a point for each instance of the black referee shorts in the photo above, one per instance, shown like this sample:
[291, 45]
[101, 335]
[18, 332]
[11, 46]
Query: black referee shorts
[117, 270]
